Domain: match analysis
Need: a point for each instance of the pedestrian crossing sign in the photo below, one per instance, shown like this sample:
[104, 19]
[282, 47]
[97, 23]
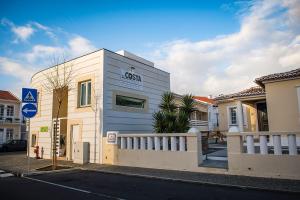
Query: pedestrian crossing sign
[29, 95]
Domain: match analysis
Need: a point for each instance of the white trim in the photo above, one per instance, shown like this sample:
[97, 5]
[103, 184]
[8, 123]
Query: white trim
[85, 83]
[245, 112]
[229, 116]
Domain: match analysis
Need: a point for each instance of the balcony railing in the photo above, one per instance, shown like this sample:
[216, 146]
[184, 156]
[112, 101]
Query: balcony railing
[10, 120]
[200, 124]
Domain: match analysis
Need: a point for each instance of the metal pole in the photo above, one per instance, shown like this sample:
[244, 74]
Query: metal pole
[28, 147]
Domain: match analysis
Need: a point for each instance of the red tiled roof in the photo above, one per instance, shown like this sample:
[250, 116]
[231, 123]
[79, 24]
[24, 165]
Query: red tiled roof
[253, 91]
[205, 99]
[278, 76]
[6, 95]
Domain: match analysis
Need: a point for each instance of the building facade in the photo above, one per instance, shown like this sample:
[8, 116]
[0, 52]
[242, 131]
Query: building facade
[11, 121]
[274, 105]
[108, 91]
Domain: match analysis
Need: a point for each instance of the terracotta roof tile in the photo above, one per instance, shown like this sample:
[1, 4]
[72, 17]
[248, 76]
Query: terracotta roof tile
[205, 99]
[6, 95]
[253, 91]
[278, 76]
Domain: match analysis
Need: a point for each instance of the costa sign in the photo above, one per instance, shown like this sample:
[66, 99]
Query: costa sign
[131, 79]
[132, 76]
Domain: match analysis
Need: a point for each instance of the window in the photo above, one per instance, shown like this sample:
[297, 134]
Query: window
[232, 115]
[33, 140]
[130, 101]
[10, 111]
[9, 134]
[1, 110]
[245, 111]
[85, 93]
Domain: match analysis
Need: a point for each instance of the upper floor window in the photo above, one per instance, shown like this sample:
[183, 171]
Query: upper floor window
[233, 115]
[85, 91]
[1, 110]
[10, 111]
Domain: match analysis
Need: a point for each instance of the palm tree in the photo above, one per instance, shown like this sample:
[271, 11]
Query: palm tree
[173, 118]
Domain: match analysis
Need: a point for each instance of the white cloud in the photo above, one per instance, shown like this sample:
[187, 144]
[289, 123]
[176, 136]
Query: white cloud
[22, 33]
[268, 41]
[43, 52]
[79, 45]
[16, 69]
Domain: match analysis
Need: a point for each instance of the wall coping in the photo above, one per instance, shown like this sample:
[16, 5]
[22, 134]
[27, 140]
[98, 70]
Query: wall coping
[157, 134]
[228, 134]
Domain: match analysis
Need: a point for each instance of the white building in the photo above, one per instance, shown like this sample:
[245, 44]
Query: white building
[212, 111]
[11, 122]
[109, 91]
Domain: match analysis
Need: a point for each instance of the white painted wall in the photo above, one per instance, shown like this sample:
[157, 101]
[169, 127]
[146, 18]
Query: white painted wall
[105, 68]
[155, 82]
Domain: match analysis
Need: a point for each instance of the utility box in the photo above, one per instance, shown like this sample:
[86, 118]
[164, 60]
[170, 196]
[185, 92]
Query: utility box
[81, 152]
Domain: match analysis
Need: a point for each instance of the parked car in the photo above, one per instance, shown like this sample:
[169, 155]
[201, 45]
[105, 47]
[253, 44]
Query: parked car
[15, 145]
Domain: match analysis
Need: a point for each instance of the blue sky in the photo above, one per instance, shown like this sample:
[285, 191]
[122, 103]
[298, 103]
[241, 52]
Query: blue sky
[208, 46]
[132, 25]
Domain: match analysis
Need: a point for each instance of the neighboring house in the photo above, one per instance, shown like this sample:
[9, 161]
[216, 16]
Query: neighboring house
[212, 111]
[274, 105]
[110, 91]
[198, 118]
[11, 120]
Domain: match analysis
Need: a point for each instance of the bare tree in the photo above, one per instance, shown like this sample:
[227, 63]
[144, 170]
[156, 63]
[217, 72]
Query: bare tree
[95, 108]
[58, 82]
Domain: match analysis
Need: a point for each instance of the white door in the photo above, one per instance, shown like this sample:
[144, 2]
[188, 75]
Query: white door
[75, 137]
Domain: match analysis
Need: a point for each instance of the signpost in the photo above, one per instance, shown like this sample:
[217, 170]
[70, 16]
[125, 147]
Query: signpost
[29, 110]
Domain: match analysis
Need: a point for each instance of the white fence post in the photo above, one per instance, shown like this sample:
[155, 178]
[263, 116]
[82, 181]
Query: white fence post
[129, 143]
[156, 143]
[292, 144]
[173, 144]
[277, 145]
[123, 143]
[149, 143]
[181, 143]
[143, 143]
[250, 144]
[135, 143]
[165, 143]
[263, 144]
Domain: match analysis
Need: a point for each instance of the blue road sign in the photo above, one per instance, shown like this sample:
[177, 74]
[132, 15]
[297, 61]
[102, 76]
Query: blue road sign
[29, 110]
[29, 95]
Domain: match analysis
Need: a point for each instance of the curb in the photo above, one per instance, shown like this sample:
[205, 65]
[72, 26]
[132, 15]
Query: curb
[192, 182]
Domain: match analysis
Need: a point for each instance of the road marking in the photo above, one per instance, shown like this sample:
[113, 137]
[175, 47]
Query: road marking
[6, 175]
[75, 189]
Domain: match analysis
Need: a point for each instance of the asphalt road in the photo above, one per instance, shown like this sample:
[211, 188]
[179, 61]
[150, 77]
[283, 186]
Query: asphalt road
[78, 184]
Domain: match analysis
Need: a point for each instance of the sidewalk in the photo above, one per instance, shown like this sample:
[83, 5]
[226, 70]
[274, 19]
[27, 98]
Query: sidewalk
[17, 164]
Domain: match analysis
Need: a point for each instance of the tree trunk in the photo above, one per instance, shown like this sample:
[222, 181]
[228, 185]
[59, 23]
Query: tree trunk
[54, 156]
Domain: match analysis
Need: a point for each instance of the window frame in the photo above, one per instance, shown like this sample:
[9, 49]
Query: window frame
[120, 108]
[7, 111]
[88, 93]
[133, 98]
[2, 110]
[230, 108]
